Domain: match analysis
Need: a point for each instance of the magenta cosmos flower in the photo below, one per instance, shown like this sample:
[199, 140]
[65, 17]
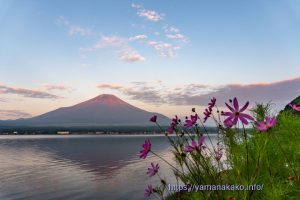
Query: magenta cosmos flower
[293, 106]
[148, 191]
[146, 149]
[266, 125]
[208, 110]
[236, 114]
[190, 122]
[194, 146]
[207, 113]
[153, 170]
[153, 118]
[173, 125]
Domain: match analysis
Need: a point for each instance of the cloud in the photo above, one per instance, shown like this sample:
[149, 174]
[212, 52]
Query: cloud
[135, 6]
[174, 33]
[168, 49]
[138, 37]
[176, 36]
[13, 114]
[163, 49]
[171, 29]
[150, 15]
[74, 29]
[131, 56]
[56, 87]
[120, 45]
[27, 92]
[280, 92]
[109, 86]
[143, 91]
[114, 41]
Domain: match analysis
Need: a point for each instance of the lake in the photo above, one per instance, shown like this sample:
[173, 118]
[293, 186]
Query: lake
[78, 167]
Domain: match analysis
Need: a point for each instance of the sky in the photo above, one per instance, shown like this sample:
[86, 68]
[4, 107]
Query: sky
[161, 56]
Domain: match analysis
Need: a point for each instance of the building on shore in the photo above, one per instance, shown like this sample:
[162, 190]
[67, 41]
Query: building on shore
[63, 132]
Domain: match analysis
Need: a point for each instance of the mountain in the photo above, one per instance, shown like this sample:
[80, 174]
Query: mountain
[103, 110]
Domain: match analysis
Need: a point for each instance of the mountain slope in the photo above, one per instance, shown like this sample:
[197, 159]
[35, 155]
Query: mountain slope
[103, 110]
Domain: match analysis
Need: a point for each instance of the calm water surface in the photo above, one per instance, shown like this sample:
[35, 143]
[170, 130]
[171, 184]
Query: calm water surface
[77, 167]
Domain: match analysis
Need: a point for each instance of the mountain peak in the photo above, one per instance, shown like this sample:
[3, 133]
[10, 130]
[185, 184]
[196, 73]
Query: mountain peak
[105, 99]
[106, 96]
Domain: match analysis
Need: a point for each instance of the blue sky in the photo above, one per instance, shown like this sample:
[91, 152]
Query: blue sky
[157, 55]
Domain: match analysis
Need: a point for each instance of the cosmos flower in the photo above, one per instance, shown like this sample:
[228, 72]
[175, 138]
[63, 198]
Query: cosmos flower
[153, 118]
[207, 113]
[195, 146]
[146, 149]
[236, 114]
[173, 125]
[190, 122]
[295, 107]
[212, 102]
[266, 125]
[148, 191]
[218, 154]
[208, 110]
[153, 170]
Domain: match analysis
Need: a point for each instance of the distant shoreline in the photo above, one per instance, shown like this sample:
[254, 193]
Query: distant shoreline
[105, 130]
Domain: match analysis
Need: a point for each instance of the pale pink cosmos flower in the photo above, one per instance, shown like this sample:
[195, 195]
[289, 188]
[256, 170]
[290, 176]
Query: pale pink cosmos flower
[236, 114]
[266, 125]
[153, 170]
[148, 191]
[295, 107]
[195, 146]
[218, 154]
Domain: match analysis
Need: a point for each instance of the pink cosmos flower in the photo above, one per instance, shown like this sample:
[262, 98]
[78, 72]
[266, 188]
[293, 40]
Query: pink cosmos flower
[146, 149]
[173, 125]
[148, 191]
[228, 123]
[295, 107]
[207, 113]
[191, 122]
[153, 170]
[236, 114]
[266, 125]
[195, 146]
[218, 154]
[212, 102]
[153, 118]
[208, 110]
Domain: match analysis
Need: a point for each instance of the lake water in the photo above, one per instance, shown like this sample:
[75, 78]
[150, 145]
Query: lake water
[77, 167]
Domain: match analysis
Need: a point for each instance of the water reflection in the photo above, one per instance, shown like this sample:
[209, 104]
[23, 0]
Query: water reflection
[74, 167]
[77, 167]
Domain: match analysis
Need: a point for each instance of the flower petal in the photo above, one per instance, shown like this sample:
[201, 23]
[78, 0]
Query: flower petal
[246, 116]
[243, 120]
[229, 107]
[245, 107]
[235, 120]
[236, 103]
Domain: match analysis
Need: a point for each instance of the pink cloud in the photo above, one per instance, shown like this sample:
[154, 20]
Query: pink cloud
[27, 92]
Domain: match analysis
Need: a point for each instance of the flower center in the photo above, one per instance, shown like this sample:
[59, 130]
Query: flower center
[237, 113]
